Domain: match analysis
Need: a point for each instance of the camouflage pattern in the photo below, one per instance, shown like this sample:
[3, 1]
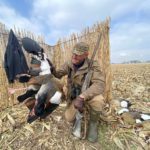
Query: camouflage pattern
[93, 95]
[77, 78]
[80, 48]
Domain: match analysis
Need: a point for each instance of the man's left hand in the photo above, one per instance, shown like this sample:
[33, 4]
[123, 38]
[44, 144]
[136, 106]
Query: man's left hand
[78, 103]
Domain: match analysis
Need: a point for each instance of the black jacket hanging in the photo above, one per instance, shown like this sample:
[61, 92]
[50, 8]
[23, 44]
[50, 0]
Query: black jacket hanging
[14, 59]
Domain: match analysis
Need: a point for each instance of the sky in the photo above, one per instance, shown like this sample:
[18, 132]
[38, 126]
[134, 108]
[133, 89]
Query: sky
[54, 19]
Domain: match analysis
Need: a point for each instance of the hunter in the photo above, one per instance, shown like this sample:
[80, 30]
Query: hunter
[76, 69]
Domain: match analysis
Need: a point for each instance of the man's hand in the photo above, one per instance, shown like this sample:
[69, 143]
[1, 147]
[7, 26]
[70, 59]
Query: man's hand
[78, 103]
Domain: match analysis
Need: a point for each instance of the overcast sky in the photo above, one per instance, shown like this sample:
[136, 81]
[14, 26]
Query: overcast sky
[130, 22]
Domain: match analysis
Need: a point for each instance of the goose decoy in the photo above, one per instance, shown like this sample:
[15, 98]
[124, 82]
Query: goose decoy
[131, 117]
[145, 116]
[121, 111]
[125, 103]
[142, 117]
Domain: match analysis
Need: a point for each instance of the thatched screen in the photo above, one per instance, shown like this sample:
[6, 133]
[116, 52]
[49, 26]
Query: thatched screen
[59, 53]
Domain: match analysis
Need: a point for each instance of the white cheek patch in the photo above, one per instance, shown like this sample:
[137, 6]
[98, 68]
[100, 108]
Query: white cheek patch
[124, 104]
[56, 99]
[45, 67]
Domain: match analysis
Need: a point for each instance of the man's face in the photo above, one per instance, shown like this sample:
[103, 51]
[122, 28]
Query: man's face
[77, 59]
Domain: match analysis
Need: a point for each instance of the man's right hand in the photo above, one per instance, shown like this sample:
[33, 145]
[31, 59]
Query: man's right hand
[78, 103]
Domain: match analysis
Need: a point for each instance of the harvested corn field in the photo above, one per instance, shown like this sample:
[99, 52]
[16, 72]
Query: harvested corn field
[130, 81]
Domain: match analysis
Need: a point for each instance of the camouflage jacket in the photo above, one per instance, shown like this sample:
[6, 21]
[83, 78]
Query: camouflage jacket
[76, 78]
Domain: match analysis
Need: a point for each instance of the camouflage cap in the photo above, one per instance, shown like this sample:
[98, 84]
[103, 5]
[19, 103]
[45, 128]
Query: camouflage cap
[80, 48]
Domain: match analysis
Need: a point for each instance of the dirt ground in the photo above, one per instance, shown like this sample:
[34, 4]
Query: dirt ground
[130, 81]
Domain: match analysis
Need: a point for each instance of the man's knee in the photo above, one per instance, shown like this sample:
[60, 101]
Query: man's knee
[70, 113]
[97, 103]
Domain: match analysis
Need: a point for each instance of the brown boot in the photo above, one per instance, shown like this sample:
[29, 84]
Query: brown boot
[93, 126]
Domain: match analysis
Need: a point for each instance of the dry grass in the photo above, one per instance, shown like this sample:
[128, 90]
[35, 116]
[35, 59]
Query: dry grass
[129, 81]
[52, 133]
